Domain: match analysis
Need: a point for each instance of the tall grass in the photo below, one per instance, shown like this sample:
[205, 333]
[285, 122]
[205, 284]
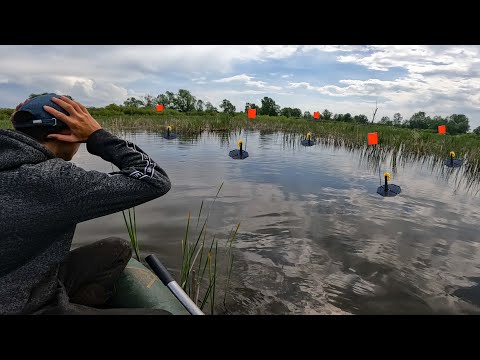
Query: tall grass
[201, 276]
[348, 133]
[5, 124]
[416, 143]
[131, 225]
[406, 144]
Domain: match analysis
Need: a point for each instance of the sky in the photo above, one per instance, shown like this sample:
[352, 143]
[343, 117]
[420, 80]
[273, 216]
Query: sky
[437, 79]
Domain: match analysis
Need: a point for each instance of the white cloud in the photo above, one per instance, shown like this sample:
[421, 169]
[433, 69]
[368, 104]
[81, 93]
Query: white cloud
[404, 78]
[417, 58]
[247, 80]
[333, 48]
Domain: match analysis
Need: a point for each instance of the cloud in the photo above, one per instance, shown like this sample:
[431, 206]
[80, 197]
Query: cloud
[417, 59]
[343, 78]
[247, 80]
[333, 48]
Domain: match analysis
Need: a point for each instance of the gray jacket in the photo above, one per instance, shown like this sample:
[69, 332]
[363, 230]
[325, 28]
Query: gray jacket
[43, 198]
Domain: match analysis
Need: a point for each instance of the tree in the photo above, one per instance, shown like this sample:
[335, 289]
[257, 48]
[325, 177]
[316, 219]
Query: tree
[286, 111]
[419, 121]
[200, 105]
[251, 106]
[338, 117]
[149, 100]
[347, 117]
[397, 119]
[307, 115]
[385, 120]
[326, 115]
[289, 112]
[269, 107]
[184, 101]
[296, 112]
[210, 108]
[133, 102]
[113, 107]
[435, 122]
[457, 124]
[362, 119]
[227, 107]
[476, 131]
[167, 99]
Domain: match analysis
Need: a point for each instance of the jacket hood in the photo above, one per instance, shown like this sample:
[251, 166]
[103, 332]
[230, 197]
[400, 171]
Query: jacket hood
[17, 149]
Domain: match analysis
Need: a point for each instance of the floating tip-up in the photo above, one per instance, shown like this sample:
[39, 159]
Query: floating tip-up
[169, 134]
[452, 162]
[388, 189]
[238, 153]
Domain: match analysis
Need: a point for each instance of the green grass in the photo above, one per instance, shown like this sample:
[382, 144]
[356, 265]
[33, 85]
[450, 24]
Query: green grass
[405, 144]
[5, 124]
[414, 144]
[202, 276]
[131, 225]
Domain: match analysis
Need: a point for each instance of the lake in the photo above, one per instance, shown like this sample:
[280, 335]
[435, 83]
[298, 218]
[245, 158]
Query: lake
[314, 236]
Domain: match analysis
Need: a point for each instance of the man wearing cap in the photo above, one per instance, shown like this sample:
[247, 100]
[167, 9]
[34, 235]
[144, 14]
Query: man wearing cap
[43, 196]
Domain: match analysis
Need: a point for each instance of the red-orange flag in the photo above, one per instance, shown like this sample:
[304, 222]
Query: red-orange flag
[372, 138]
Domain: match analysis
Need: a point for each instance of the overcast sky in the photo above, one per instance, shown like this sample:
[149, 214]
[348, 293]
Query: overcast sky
[440, 80]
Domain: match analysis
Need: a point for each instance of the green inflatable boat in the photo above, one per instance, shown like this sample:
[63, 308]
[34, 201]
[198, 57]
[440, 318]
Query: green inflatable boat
[138, 287]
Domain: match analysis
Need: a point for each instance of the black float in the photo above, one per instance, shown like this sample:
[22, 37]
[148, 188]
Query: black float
[169, 134]
[238, 154]
[388, 190]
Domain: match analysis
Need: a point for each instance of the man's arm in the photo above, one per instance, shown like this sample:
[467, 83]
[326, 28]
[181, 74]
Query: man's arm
[84, 195]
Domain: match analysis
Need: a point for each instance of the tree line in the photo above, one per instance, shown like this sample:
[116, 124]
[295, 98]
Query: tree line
[183, 101]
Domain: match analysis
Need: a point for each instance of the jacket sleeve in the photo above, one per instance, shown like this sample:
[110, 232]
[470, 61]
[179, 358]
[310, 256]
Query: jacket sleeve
[91, 194]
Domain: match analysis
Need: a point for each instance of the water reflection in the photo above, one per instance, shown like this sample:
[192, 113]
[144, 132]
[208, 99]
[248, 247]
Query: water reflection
[314, 237]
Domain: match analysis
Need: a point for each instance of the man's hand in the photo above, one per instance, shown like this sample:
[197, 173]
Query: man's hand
[80, 122]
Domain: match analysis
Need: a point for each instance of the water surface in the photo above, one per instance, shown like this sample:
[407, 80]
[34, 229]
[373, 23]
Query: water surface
[315, 237]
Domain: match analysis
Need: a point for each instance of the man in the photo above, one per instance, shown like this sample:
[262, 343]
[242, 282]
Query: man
[43, 197]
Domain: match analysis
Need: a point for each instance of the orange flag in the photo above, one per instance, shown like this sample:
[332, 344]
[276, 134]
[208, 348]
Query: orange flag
[372, 138]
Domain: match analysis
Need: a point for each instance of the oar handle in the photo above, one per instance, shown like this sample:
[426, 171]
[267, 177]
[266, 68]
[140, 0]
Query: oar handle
[172, 285]
[159, 269]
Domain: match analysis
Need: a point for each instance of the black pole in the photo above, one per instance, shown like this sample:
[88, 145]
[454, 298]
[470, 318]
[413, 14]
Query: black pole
[241, 151]
[451, 159]
[386, 184]
[168, 132]
[167, 279]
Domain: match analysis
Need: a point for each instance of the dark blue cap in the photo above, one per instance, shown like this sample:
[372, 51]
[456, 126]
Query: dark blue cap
[32, 113]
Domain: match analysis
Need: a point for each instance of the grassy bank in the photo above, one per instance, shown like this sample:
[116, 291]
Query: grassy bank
[413, 144]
